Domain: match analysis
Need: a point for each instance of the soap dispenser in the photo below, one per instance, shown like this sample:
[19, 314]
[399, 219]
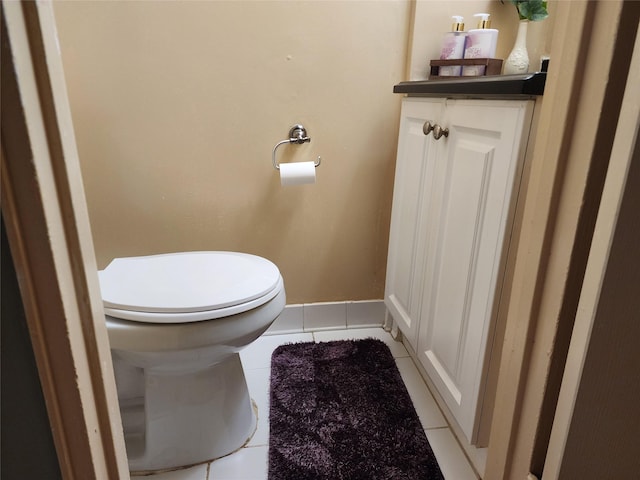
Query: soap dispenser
[481, 43]
[453, 44]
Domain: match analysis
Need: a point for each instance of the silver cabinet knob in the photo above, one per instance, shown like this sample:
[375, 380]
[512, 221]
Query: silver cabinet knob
[427, 127]
[438, 132]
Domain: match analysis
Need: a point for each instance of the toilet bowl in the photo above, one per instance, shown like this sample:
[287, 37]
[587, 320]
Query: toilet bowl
[176, 324]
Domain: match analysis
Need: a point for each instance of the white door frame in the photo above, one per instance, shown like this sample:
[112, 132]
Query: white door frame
[606, 306]
[580, 109]
[47, 224]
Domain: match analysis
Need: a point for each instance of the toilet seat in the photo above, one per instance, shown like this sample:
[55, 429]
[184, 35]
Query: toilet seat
[188, 286]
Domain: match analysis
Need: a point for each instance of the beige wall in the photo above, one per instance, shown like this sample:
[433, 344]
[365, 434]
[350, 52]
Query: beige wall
[177, 106]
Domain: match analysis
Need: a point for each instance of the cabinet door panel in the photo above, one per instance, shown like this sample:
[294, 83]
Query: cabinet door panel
[463, 268]
[452, 286]
[414, 172]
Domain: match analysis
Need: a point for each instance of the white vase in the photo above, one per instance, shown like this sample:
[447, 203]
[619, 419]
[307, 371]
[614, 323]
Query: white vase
[518, 59]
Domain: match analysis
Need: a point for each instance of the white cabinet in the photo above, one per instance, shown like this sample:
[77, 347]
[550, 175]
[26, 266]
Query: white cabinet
[452, 212]
[414, 184]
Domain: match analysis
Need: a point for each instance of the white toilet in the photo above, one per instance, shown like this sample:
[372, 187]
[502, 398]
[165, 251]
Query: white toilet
[176, 323]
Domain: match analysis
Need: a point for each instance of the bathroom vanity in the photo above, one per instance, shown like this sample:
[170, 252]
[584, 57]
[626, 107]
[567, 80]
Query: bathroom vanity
[460, 165]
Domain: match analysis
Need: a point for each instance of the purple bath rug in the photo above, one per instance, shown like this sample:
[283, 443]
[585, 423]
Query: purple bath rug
[339, 410]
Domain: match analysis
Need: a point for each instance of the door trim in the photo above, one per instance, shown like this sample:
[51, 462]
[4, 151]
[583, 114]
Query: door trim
[48, 229]
[582, 99]
[604, 312]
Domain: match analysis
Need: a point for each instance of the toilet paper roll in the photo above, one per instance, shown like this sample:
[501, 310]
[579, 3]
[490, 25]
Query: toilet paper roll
[297, 173]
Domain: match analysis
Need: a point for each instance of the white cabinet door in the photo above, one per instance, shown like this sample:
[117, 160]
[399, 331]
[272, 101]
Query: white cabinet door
[412, 188]
[467, 221]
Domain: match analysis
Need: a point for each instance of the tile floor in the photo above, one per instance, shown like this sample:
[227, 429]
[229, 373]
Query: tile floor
[250, 462]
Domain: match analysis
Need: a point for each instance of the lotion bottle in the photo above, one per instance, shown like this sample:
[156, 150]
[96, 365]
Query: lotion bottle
[481, 43]
[453, 44]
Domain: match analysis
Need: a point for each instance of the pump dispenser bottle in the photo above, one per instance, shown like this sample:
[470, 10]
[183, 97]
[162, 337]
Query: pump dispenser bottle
[453, 47]
[481, 43]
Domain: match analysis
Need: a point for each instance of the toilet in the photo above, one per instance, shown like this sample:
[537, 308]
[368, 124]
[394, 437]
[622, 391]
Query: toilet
[176, 324]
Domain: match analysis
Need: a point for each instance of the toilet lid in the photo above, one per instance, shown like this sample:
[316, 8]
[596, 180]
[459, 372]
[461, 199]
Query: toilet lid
[187, 282]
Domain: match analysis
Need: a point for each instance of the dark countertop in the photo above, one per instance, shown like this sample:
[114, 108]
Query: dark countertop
[528, 84]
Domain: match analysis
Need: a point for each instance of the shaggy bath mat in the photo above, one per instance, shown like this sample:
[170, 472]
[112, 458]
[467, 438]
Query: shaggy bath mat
[339, 410]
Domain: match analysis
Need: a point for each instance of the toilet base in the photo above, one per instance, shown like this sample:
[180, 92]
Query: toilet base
[191, 418]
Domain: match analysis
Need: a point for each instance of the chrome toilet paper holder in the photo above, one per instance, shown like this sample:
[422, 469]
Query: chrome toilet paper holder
[297, 134]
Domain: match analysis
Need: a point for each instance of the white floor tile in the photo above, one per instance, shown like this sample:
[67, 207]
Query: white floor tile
[199, 472]
[426, 407]
[248, 464]
[258, 354]
[453, 463]
[397, 348]
[258, 383]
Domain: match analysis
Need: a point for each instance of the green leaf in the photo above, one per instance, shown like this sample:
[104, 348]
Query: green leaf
[532, 10]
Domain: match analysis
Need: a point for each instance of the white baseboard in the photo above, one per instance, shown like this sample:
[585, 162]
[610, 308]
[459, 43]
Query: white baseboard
[313, 317]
